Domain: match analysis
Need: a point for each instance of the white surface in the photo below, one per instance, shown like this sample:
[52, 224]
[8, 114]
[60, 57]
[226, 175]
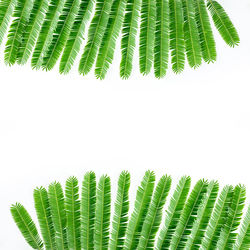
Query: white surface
[53, 126]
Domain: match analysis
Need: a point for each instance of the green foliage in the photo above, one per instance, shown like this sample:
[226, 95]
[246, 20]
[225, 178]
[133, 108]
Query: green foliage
[198, 220]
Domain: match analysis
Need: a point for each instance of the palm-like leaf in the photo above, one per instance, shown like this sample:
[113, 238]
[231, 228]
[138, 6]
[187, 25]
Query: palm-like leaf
[56, 201]
[15, 35]
[88, 204]
[161, 38]
[75, 39]
[203, 215]
[154, 214]
[129, 33]
[60, 37]
[223, 23]
[175, 208]
[189, 213]
[107, 49]
[102, 215]
[6, 10]
[26, 226]
[228, 235]
[243, 239]
[47, 31]
[72, 206]
[142, 202]
[177, 44]
[44, 217]
[147, 35]
[120, 218]
[32, 30]
[95, 35]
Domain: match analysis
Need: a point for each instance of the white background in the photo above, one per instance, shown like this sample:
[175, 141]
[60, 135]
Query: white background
[53, 126]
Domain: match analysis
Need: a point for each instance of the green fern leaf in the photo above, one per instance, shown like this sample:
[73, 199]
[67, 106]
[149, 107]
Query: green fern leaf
[203, 215]
[32, 30]
[175, 208]
[147, 35]
[205, 32]
[6, 10]
[154, 214]
[46, 35]
[95, 35]
[129, 33]
[60, 37]
[21, 14]
[142, 202]
[187, 218]
[26, 226]
[228, 236]
[243, 239]
[72, 206]
[88, 203]
[161, 38]
[56, 201]
[177, 44]
[102, 215]
[120, 218]
[107, 49]
[44, 217]
[191, 35]
[223, 23]
[75, 39]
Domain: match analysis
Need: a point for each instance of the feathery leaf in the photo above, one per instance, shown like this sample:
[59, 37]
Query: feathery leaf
[120, 218]
[88, 203]
[174, 211]
[102, 215]
[142, 201]
[26, 226]
[223, 23]
[154, 214]
[44, 217]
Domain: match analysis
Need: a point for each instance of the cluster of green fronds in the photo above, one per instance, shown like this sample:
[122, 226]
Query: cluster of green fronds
[201, 218]
[46, 29]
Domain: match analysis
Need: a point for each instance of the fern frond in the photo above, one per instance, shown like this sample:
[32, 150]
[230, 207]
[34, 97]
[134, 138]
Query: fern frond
[60, 37]
[46, 35]
[26, 226]
[177, 44]
[32, 30]
[174, 211]
[56, 201]
[6, 10]
[218, 219]
[72, 206]
[88, 204]
[161, 38]
[102, 215]
[107, 49]
[120, 218]
[243, 239]
[129, 32]
[44, 217]
[191, 35]
[142, 201]
[154, 214]
[203, 215]
[205, 32]
[223, 23]
[147, 35]
[228, 236]
[75, 39]
[21, 16]
[95, 35]
[188, 215]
